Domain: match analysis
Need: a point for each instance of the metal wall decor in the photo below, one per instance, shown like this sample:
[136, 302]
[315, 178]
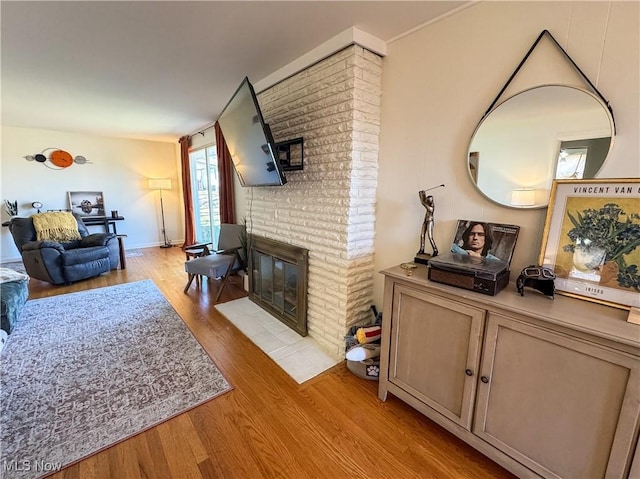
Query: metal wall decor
[56, 159]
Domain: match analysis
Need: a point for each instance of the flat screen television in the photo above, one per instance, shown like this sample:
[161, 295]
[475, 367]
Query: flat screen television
[249, 140]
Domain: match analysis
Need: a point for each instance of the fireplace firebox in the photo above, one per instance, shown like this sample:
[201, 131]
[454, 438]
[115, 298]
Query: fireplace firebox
[278, 280]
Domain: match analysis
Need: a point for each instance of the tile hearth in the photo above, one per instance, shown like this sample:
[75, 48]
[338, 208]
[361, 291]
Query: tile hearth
[301, 357]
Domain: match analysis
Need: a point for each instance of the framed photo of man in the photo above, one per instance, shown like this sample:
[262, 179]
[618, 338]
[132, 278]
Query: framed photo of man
[492, 241]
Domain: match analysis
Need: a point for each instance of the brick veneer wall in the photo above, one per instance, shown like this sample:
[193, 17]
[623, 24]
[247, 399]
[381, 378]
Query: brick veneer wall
[329, 207]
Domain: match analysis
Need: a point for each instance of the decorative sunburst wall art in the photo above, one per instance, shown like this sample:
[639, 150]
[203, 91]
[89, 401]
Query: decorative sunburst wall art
[56, 159]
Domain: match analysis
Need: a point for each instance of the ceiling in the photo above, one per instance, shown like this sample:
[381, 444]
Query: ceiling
[159, 70]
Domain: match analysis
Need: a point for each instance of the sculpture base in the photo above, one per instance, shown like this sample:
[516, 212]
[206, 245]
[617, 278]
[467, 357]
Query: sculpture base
[422, 258]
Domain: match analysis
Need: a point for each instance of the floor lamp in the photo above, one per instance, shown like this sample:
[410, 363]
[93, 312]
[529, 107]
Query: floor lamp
[161, 184]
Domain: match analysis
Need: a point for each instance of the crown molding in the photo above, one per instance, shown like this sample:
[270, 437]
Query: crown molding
[351, 36]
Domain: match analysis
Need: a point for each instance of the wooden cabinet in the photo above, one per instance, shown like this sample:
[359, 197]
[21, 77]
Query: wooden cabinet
[435, 351]
[561, 406]
[546, 388]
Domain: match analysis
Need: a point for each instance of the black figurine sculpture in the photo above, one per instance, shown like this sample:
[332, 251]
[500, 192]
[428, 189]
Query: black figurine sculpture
[427, 224]
[427, 227]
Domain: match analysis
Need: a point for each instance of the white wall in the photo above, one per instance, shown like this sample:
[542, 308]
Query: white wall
[117, 167]
[438, 82]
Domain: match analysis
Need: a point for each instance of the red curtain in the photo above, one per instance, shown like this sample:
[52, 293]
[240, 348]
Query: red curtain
[189, 228]
[225, 178]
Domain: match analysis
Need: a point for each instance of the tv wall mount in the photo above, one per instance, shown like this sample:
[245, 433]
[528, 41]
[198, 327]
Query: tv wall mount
[290, 153]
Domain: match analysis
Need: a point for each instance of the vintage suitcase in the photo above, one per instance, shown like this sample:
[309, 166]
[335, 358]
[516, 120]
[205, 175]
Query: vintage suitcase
[467, 272]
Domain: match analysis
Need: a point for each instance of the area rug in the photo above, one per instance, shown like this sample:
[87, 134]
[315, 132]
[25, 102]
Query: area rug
[83, 371]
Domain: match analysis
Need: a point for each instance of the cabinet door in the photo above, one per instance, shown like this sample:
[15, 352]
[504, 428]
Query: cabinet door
[561, 406]
[435, 351]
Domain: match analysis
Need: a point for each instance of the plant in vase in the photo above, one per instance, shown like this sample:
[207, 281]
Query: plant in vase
[11, 208]
[600, 241]
[244, 241]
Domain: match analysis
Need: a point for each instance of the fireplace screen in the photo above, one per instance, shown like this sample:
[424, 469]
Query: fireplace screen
[278, 281]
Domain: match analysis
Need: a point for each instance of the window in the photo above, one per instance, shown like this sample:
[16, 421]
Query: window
[571, 163]
[205, 191]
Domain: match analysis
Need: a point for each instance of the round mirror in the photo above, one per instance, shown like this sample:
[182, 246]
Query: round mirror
[547, 132]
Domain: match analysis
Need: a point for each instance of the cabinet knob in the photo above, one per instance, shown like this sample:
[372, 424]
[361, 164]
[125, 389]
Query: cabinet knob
[469, 372]
[484, 379]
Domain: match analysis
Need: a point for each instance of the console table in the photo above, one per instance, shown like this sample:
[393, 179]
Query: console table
[107, 222]
[546, 388]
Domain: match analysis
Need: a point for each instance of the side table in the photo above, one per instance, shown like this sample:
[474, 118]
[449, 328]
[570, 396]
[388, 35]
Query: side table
[106, 221]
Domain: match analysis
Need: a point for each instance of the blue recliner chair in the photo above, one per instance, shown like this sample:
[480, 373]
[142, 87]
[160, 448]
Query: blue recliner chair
[64, 263]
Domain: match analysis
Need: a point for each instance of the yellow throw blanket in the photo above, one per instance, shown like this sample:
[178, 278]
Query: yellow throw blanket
[56, 226]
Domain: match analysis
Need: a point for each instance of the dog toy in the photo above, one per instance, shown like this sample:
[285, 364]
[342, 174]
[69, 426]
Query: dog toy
[368, 334]
[366, 351]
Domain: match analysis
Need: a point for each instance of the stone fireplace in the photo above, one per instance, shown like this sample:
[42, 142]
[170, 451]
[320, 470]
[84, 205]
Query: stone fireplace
[278, 280]
[329, 207]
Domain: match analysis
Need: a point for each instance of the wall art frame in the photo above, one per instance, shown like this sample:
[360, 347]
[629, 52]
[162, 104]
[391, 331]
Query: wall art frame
[591, 240]
[87, 204]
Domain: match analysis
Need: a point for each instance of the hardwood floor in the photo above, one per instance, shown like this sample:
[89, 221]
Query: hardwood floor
[268, 426]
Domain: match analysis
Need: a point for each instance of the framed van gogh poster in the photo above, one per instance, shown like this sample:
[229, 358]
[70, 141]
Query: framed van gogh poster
[591, 240]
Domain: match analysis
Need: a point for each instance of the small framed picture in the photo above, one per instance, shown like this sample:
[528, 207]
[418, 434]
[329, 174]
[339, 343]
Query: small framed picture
[87, 204]
[493, 241]
[591, 240]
